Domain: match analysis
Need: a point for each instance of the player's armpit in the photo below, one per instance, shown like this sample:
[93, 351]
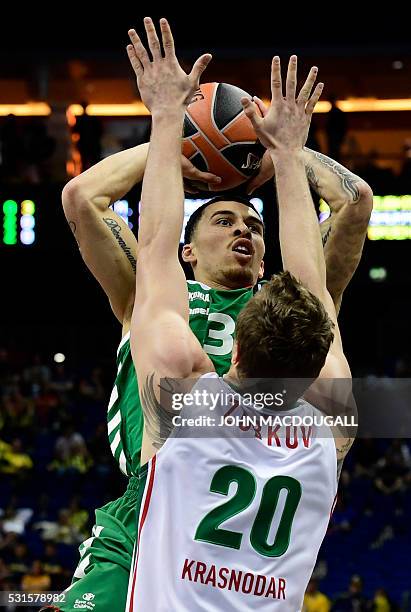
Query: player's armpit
[107, 246]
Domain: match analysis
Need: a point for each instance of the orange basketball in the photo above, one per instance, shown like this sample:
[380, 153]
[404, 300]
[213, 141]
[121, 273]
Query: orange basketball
[219, 138]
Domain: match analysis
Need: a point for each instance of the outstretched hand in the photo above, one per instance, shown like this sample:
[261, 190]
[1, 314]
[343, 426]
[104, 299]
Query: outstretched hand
[163, 84]
[286, 124]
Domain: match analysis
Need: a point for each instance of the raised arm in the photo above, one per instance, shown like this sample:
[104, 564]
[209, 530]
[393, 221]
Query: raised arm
[107, 245]
[283, 131]
[161, 340]
[350, 200]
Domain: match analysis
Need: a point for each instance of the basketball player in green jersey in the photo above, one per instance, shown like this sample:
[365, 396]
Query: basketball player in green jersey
[288, 329]
[222, 287]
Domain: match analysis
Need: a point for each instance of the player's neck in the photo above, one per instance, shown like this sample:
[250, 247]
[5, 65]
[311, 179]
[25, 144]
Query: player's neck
[232, 378]
[217, 284]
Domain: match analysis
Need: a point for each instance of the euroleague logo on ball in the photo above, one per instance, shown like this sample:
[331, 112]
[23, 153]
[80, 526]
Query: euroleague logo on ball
[198, 95]
[253, 162]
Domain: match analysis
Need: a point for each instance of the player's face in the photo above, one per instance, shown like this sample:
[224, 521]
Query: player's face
[228, 246]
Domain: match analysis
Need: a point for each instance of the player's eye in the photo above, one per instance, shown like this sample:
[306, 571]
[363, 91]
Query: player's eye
[225, 222]
[255, 228]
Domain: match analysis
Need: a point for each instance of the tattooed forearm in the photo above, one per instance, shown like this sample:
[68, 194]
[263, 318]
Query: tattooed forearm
[326, 235]
[157, 420]
[341, 453]
[344, 448]
[116, 229]
[348, 179]
[312, 179]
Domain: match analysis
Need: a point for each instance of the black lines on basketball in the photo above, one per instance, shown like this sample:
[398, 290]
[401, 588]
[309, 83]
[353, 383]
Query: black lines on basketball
[227, 104]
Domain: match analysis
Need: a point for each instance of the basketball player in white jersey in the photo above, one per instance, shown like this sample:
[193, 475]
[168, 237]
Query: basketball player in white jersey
[202, 545]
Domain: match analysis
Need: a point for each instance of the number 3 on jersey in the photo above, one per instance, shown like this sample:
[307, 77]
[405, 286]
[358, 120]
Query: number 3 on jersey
[209, 528]
[224, 335]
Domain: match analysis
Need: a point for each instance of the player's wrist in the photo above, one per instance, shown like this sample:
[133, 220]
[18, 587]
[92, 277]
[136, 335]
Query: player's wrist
[279, 154]
[168, 115]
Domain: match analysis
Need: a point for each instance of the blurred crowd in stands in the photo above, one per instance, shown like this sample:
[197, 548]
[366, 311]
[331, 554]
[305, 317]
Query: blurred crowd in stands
[56, 468]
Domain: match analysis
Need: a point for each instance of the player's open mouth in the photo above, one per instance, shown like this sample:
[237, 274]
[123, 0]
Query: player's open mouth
[244, 246]
[243, 250]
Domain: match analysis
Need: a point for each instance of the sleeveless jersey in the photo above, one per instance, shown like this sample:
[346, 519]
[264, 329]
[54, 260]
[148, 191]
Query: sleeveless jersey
[233, 522]
[212, 319]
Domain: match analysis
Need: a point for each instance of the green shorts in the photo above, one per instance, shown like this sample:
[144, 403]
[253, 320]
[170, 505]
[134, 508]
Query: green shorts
[101, 577]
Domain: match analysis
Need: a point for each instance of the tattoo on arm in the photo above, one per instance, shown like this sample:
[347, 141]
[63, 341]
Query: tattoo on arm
[326, 235]
[312, 179]
[157, 420]
[348, 179]
[115, 230]
[342, 451]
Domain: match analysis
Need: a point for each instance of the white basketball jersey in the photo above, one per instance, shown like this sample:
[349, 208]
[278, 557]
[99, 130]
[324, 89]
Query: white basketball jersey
[234, 522]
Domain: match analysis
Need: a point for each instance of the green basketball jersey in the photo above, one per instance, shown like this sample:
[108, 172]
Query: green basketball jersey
[213, 314]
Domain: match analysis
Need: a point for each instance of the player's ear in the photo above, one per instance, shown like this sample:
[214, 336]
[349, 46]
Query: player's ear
[188, 254]
[235, 355]
[261, 270]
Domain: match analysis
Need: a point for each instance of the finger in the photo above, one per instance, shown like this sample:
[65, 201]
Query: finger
[314, 99]
[250, 110]
[139, 48]
[152, 38]
[291, 83]
[305, 91]
[135, 62]
[206, 177]
[191, 172]
[199, 67]
[167, 37]
[276, 83]
[263, 108]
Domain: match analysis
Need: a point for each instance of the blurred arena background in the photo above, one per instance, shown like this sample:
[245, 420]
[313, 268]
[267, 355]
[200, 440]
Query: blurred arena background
[58, 338]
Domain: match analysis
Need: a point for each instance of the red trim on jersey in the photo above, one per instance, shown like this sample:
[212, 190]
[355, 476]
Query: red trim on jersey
[143, 518]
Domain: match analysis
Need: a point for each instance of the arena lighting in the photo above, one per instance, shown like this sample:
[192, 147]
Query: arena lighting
[390, 218]
[361, 105]
[122, 208]
[137, 109]
[11, 225]
[59, 358]
[352, 105]
[30, 109]
[10, 209]
[378, 275]
[111, 110]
